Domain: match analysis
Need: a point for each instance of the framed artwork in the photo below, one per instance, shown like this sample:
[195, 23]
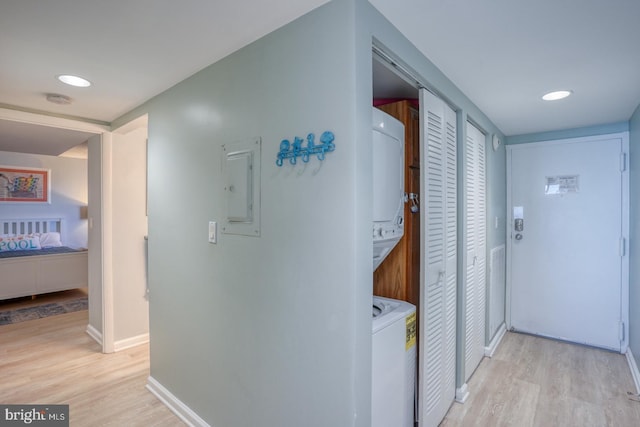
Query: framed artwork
[24, 185]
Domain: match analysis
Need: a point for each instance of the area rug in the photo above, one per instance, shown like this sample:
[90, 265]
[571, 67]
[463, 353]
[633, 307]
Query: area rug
[40, 311]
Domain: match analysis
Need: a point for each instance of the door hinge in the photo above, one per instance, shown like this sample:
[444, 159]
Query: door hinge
[623, 162]
[623, 246]
[622, 332]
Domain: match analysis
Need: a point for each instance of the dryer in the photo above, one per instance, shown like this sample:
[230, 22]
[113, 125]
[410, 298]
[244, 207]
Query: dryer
[388, 184]
[393, 361]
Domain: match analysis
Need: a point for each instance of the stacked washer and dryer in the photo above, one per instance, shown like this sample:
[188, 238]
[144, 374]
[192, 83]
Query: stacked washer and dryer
[394, 322]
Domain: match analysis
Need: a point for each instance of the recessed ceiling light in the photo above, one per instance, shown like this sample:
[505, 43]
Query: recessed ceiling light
[559, 94]
[74, 80]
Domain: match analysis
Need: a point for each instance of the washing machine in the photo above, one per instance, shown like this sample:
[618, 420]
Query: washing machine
[393, 363]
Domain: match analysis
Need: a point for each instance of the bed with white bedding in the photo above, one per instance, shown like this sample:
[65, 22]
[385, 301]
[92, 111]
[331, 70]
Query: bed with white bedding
[33, 259]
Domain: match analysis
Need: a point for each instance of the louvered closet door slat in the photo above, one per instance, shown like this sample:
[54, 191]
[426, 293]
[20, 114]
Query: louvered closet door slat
[474, 244]
[451, 239]
[470, 235]
[438, 305]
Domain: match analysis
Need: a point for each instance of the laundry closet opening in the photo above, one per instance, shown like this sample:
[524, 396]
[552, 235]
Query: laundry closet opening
[396, 246]
[398, 276]
[422, 269]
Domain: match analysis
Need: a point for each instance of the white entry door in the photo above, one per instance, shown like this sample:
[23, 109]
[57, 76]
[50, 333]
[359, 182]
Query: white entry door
[566, 240]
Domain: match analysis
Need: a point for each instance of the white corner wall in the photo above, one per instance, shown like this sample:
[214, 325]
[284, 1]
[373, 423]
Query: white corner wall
[68, 194]
[95, 184]
[129, 228]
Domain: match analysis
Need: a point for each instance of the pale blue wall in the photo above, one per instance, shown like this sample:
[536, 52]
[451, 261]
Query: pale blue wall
[272, 330]
[603, 129]
[634, 234]
[276, 330]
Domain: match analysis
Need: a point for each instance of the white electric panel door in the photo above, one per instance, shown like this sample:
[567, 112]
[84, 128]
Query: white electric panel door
[241, 179]
[240, 186]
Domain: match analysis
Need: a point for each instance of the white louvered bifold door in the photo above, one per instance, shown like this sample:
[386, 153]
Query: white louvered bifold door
[475, 250]
[438, 265]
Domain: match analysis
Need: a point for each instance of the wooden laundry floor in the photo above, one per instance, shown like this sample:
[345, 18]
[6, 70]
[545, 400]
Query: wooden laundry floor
[532, 381]
[54, 361]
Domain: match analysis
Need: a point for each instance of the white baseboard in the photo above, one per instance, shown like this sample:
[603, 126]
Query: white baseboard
[174, 404]
[462, 393]
[495, 342]
[131, 342]
[95, 334]
[634, 369]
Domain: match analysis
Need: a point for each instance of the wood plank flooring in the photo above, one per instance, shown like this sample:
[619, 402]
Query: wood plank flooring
[538, 382]
[530, 381]
[54, 361]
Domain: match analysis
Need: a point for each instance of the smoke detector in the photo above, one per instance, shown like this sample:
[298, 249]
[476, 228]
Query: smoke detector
[56, 98]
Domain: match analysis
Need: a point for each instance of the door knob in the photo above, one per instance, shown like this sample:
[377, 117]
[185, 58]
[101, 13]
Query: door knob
[518, 236]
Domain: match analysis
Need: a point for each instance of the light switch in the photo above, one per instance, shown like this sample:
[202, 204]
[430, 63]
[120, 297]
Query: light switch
[213, 232]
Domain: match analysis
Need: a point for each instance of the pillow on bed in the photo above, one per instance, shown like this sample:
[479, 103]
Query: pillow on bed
[20, 243]
[50, 240]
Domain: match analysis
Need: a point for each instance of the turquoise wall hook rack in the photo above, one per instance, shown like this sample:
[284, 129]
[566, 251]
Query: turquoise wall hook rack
[293, 151]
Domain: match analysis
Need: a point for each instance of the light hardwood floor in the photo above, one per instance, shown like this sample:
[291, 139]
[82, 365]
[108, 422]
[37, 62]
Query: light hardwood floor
[53, 361]
[533, 381]
[530, 381]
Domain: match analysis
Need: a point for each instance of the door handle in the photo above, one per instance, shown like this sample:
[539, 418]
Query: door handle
[518, 236]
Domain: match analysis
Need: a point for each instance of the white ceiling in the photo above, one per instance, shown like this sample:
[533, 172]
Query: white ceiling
[31, 138]
[509, 53]
[502, 54]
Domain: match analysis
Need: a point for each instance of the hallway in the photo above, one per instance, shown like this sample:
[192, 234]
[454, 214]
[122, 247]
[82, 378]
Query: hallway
[534, 381]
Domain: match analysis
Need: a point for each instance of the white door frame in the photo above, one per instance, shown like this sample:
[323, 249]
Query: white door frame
[104, 132]
[624, 289]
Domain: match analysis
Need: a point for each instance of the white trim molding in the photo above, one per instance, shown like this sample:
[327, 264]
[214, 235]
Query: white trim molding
[495, 342]
[95, 334]
[634, 369]
[176, 406]
[38, 118]
[462, 393]
[131, 342]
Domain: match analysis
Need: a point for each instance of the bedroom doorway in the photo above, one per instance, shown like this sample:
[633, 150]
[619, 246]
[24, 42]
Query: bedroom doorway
[122, 323]
[44, 141]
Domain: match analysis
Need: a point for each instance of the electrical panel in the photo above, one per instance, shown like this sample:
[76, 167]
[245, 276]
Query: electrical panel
[241, 179]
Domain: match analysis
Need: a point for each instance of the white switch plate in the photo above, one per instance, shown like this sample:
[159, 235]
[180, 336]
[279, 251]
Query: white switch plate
[213, 232]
